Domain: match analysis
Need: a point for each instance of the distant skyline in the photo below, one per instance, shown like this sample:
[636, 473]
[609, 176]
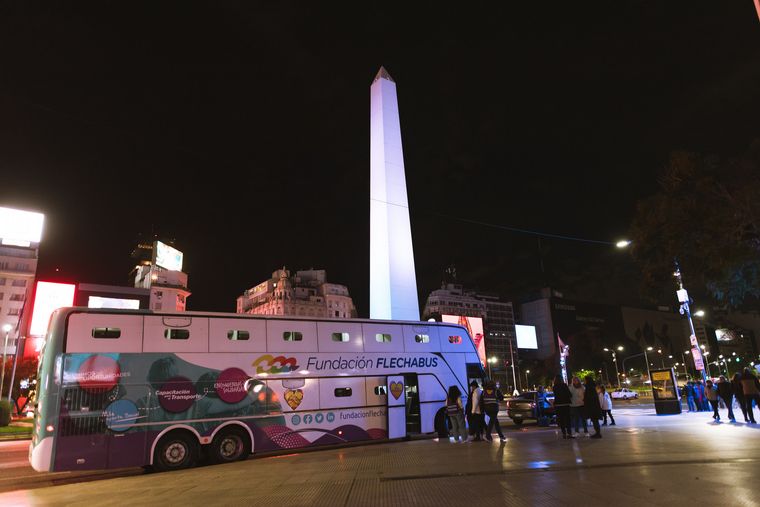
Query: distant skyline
[242, 131]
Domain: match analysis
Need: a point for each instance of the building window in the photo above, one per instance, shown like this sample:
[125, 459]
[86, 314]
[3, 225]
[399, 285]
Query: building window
[343, 392]
[106, 332]
[1, 295]
[340, 337]
[17, 297]
[381, 390]
[383, 337]
[176, 334]
[2, 281]
[337, 314]
[422, 338]
[14, 311]
[236, 335]
[18, 283]
[292, 336]
[455, 339]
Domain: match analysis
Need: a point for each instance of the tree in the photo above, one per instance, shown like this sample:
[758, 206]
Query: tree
[582, 374]
[707, 215]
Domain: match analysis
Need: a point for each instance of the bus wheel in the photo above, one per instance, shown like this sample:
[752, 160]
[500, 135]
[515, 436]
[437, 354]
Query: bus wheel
[230, 444]
[175, 451]
[440, 424]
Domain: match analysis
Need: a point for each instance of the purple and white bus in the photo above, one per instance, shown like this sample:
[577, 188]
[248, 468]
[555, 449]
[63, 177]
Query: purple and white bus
[121, 388]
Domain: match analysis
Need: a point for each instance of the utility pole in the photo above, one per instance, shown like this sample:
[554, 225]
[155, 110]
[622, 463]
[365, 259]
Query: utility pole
[512, 360]
[683, 298]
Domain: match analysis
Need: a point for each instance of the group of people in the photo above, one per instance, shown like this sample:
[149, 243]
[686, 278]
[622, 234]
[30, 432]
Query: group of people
[481, 403]
[577, 403]
[743, 387]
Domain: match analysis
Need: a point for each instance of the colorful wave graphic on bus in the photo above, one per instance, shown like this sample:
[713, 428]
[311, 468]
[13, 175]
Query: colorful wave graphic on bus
[273, 365]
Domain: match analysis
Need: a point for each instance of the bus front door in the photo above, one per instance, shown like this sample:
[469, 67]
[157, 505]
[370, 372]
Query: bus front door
[396, 406]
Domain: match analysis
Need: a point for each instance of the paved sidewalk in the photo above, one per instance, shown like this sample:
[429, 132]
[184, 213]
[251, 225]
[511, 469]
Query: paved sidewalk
[645, 459]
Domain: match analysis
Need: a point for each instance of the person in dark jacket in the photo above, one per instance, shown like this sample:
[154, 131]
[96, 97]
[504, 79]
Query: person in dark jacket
[736, 385]
[562, 406]
[490, 401]
[591, 405]
[726, 393]
[751, 390]
[689, 391]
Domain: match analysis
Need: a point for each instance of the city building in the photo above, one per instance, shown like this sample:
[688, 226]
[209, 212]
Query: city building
[111, 296]
[486, 315]
[159, 270]
[306, 294]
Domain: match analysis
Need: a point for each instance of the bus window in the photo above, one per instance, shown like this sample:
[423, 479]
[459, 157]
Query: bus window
[292, 336]
[177, 334]
[455, 339]
[383, 337]
[236, 335]
[340, 337]
[381, 390]
[342, 392]
[422, 338]
[106, 332]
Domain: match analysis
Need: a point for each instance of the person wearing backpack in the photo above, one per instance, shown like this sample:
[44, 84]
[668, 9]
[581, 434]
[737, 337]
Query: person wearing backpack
[456, 414]
[490, 402]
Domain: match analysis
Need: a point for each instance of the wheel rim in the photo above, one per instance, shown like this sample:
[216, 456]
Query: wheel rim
[175, 453]
[230, 447]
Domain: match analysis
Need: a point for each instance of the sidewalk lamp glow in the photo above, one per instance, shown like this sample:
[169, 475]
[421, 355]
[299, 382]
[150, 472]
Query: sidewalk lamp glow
[620, 348]
[649, 348]
[699, 313]
[623, 243]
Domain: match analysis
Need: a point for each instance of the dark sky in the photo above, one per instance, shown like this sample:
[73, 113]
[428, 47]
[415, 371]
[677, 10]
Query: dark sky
[242, 129]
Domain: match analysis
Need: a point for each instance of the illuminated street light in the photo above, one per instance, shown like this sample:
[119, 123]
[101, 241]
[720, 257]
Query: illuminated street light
[699, 313]
[623, 243]
[620, 348]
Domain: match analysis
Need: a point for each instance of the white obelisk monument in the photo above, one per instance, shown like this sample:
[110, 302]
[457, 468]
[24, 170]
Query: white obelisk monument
[392, 282]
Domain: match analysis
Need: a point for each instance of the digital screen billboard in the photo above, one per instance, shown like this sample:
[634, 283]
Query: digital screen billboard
[725, 335]
[48, 297]
[526, 337]
[19, 227]
[167, 257]
[474, 326]
[122, 304]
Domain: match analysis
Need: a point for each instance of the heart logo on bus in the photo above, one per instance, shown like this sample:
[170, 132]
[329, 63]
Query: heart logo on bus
[396, 389]
[293, 397]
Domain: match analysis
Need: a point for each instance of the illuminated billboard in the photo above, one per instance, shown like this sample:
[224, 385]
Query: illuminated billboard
[121, 304]
[167, 257]
[526, 337]
[474, 326]
[725, 335]
[48, 297]
[20, 228]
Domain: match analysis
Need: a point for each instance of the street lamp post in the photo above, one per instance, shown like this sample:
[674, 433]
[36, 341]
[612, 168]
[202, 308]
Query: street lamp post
[614, 360]
[527, 382]
[683, 298]
[683, 358]
[646, 359]
[491, 360]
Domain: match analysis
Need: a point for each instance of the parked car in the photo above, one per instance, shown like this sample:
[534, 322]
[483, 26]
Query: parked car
[624, 394]
[527, 406]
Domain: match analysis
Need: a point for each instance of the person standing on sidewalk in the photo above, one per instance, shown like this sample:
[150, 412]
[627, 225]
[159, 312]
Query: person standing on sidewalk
[591, 405]
[736, 385]
[689, 391]
[711, 393]
[699, 395]
[726, 393]
[606, 404]
[456, 415]
[491, 409]
[751, 390]
[473, 412]
[562, 406]
[576, 406]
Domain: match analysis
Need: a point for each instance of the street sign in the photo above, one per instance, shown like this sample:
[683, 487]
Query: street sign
[693, 339]
[698, 364]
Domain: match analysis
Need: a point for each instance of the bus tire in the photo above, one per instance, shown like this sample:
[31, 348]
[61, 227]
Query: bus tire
[229, 445]
[440, 424]
[175, 451]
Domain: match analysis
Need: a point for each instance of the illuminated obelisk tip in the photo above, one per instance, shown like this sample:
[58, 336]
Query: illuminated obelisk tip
[392, 281]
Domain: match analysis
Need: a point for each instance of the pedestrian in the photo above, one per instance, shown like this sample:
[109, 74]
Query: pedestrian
[699, 391]
[606, 403]
[456, 415]
[751, 391]
[689, 391]
[726, 393]
[711, 393]
[562, 406]
[591, 405]
[736, 384]
[490, 401]
[473, 412]
[576, 406]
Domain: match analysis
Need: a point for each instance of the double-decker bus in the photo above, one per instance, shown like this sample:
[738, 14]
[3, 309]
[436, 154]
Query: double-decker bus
[121, 388]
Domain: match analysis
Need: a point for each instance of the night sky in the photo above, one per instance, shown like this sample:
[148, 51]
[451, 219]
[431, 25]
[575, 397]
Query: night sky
[242, 130]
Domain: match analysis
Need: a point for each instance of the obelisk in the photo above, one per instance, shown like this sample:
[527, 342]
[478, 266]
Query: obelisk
[392, 281]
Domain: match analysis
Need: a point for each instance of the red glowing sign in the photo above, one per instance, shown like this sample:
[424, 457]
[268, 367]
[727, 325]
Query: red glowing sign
[49, 297]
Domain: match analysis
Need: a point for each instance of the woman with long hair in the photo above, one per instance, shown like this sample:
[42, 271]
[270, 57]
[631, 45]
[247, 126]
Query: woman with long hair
[456, 414]
[562, 406]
